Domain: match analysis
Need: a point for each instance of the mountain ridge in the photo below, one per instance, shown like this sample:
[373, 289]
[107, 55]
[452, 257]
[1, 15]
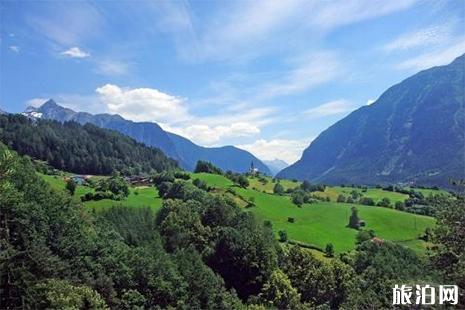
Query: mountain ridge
[177, 147]
[414, 133]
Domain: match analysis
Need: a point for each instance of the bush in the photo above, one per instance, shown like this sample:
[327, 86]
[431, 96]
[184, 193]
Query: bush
[282, 235]
[364, 235]
[385, 202]
[400, 206]
[367, 201]
[182, 175]
[341, 198]
[291, 220]
[298, 198]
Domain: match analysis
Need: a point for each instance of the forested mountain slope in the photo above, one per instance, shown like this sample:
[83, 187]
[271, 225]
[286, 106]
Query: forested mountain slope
[413, 133]
[79, 148]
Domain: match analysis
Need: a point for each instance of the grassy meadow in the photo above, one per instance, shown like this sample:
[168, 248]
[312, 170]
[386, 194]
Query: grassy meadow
[315, 224]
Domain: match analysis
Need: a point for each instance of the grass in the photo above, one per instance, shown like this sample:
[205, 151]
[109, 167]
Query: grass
[316, 224]
[145, 197]
[325, 222]
[267, 187]
[214, 180]
[376, 193]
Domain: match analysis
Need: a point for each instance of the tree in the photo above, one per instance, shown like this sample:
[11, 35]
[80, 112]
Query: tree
[329, 251]
[298, 197]
[279, 293]
[354, 221]
[207, 167]
[341, 198]
[71, 186]
[306, 186]
[278, 189]
[449, 235]
[282, 236]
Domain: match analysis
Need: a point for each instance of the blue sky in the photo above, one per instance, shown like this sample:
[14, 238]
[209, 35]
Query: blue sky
[267, 76]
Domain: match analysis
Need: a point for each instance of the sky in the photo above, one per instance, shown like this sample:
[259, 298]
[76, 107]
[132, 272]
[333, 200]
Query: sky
[266, 76]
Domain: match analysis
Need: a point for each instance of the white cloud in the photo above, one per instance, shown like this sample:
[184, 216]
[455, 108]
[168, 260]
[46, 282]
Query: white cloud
[15, 48]
[171, 112]
[309, 71]
[330, 108]
[210, 135]
[36, 102]
[142, 104]
[75, 52]
[370, 101]
[253, 27]
[287, 150]
[435, 58]
[432, 35]
[332, 14]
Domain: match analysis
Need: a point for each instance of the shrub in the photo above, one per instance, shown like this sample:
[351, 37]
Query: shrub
[367, 201]
[291, 220]
[385, 202]
[282, 235]
[341, 198]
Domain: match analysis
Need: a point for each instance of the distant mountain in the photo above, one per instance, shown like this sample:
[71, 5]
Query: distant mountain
[85, 149]
[414, 133]
[179, 148]
[276, 165]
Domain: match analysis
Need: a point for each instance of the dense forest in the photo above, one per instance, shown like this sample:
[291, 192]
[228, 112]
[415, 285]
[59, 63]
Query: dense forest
[200, 251]
[84, 149]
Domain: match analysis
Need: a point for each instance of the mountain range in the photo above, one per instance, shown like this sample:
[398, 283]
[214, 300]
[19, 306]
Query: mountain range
[276, 165]
[185, 152]
[414, 133]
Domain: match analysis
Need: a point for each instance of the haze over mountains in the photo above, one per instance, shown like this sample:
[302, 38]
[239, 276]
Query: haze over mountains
[413, 133]
[179, 148]
[276, 165]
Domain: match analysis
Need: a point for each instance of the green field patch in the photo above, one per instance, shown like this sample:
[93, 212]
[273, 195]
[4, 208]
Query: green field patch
[376, 194]
[138, 197]
[214, 180]
[268, 186]
[322, 223]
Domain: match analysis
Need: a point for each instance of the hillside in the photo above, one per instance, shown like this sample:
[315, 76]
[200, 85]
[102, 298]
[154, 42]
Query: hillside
[226, 157]
[85, 149]
[179, 148]
[414, 133]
